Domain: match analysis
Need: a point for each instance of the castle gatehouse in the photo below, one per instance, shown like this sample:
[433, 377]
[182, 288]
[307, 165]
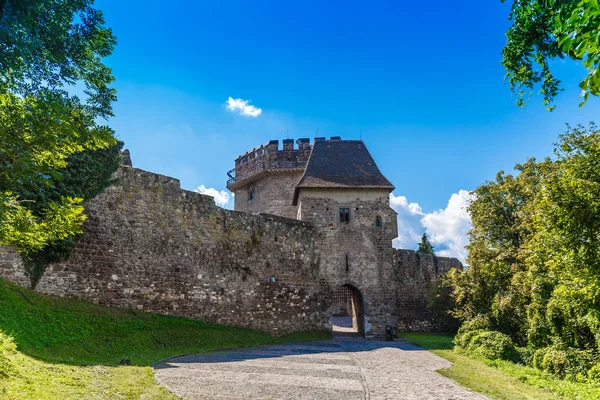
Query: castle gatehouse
[308, 246]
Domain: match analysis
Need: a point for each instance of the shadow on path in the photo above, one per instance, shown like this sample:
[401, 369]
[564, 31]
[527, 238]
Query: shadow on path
[341, 368]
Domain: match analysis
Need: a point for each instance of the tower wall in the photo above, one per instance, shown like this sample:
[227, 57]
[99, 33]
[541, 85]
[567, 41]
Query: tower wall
[359, 253]
[272, 194]
[264, 178]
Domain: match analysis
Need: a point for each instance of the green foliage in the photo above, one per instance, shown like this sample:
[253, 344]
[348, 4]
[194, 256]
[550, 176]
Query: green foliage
[425, 247]
[544, 30]
[524, 355]
[503, 380]
[47, 47]
[566, 362]
[489, 344]
[594, 373]
[534, 257]
[21, 228]
[87, 173]
[7, 350]
[441, 303]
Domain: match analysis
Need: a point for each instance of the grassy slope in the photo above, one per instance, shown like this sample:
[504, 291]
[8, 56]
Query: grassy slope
[66, 348]
[501, 380]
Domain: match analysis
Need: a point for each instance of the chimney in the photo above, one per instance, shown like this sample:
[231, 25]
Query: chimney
[335, 138]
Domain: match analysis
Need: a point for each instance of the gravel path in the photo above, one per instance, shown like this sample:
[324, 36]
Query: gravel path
[342, 368]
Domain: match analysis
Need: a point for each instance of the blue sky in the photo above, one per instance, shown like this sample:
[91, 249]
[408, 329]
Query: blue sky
[422, 81]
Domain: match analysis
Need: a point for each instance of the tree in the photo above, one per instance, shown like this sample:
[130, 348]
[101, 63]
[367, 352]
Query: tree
[425, 247]
[46, 48]
[86, 175]
[544, 30]
[534, 252]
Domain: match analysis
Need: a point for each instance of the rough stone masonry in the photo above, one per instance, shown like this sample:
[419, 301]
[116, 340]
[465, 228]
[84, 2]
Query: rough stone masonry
[149, 245]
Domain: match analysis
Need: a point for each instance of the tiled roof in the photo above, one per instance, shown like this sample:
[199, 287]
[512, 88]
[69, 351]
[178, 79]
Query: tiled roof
[342, 164]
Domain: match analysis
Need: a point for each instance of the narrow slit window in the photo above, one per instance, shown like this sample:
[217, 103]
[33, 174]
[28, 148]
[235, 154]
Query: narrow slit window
[344, 215]
[251, 194]
[378, 223]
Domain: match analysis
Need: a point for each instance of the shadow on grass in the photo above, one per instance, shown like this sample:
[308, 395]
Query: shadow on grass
[429, 341]
[73, 332]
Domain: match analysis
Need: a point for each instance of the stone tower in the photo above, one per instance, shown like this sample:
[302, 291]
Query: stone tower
[346, 197]
[265, 177]
[336, 186]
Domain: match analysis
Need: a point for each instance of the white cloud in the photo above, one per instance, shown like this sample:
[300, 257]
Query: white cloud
[447, 228]
[221, 197]
[410, 228]
[243, 107]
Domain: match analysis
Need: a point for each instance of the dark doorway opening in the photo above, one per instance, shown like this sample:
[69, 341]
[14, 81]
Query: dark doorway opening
[347, 312]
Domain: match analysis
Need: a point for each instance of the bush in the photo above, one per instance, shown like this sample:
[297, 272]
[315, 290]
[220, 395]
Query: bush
[538, 357]
[594, 373]
[572, 364]
[555, 361]
[470, 328]
[524, 355]
[7, 348]
[478, 322]
[489, 344]
[493, 345]
[463, 337]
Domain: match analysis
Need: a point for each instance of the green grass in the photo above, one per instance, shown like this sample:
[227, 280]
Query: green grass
[71, 349]
[501, 380]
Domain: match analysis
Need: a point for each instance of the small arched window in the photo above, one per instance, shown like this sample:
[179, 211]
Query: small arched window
[378, 222]
[251, 194]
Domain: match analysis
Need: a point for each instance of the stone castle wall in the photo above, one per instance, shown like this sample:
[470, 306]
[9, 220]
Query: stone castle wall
[148, 245]
[12, 268]
[151, 246]
[416, 277]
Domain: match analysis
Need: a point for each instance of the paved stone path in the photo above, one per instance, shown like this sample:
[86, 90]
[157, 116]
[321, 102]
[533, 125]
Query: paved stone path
[342, 368]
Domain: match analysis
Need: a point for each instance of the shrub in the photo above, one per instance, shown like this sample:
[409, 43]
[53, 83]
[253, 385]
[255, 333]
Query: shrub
[7, 348]
[478, 322]
[538, 357]
[572, 364]
[524, 355]
[489, 344]
[470, 328]
[493, 345]
[463, 338]
[594, 373]
[555, 361]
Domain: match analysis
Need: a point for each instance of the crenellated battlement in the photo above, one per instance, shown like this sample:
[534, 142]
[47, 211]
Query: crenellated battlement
[270, 157]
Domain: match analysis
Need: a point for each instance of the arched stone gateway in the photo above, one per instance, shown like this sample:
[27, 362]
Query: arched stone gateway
[347, 312]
